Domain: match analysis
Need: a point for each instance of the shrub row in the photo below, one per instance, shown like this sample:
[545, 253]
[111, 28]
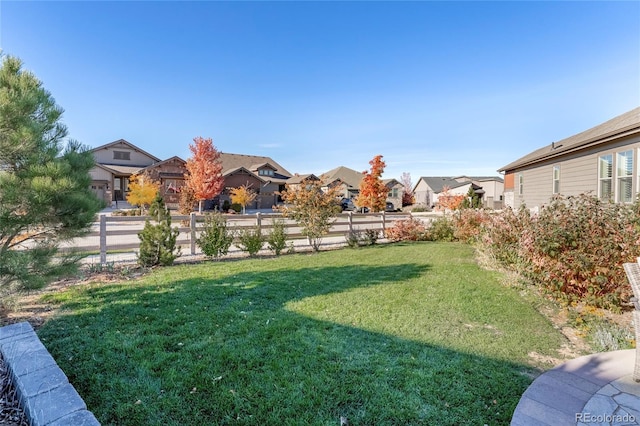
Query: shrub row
[215, 238]
[573, 248]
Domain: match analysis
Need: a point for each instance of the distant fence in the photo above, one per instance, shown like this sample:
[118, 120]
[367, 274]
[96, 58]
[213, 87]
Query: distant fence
[120, 233]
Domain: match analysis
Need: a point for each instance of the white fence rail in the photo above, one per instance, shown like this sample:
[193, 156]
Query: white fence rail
[120, 233]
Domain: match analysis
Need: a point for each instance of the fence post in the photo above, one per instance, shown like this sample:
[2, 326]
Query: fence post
[192, 225]
[384, 221]
[103, 239]
[259, 221]
[350, 222]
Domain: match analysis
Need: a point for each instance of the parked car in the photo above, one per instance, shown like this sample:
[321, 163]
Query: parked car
[348, 205]
[389, 207]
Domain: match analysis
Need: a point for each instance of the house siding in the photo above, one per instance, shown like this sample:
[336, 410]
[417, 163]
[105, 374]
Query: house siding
[136, 158]
[396, 201]
[578, 174]
[423, 195]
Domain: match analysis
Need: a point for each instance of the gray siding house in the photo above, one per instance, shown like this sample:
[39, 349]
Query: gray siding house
[602, 160]
[488, 188]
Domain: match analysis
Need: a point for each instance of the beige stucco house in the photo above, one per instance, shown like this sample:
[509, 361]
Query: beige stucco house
[115, 163]
[489, 189]
[396, 190]
[602, 160]
[348, 181]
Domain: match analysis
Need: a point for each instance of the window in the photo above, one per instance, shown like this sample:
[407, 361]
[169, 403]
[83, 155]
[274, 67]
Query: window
[556, 179]
[265, 172]
[605, 175]
[520, 184]
[121, 155]
[393, 193]
[624, 174]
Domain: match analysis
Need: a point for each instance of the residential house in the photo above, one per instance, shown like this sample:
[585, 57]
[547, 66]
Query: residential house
[115, 163]
[602, 161]
[491, 188]
[396, 190]
[170, 173]
[428, 189]
[348, 180]
[261, 174]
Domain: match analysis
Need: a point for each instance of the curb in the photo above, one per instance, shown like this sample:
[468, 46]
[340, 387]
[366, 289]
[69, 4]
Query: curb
[44, 391]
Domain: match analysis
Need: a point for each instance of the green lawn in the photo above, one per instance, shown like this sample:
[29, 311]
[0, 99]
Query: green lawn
[397, 334]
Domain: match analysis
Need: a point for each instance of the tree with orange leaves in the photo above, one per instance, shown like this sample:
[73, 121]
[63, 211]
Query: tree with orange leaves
[373, 192]
[204, 175]
[449, 201]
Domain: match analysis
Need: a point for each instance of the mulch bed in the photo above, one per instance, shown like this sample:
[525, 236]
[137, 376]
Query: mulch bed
[10, 412]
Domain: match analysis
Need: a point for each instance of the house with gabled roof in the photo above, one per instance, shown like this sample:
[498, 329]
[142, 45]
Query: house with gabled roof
[428, 188]
[348, 180]
[396, 190]
[602, 160]
[170, 173]
[261, 174]
[491, 189]
[115, 163]
[487, 188]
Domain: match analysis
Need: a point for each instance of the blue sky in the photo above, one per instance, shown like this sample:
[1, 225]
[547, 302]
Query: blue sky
[437, 88]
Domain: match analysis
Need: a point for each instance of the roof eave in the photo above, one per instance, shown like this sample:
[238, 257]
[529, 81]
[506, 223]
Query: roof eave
[618, 134]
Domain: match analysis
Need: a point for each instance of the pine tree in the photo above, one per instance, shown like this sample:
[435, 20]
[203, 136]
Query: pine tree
[45, 195]
[471, 201]
[158, 242]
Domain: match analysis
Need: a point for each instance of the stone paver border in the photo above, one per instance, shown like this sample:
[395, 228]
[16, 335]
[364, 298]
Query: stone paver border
[43, 389]
[595, 389]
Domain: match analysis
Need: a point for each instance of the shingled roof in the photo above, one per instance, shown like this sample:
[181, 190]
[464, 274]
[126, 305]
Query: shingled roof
[438, 183]
[232, 162]
[626, 124]
[345, 174]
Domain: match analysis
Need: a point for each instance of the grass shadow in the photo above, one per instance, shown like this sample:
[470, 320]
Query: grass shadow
[213, 344]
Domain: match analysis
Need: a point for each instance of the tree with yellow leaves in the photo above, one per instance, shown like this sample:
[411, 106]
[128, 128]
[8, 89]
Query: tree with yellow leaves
[142, 190]
[242, 195]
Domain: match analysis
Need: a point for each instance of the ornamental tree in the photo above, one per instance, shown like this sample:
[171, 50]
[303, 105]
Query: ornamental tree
[407, 190]
[242, 195]
[204, 175]
[312, 208]
[373, 192]
[449, 201]
[142, 190]
[45, 195]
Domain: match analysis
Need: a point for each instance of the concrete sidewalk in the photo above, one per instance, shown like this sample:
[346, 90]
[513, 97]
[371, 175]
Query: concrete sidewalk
[591, 390]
